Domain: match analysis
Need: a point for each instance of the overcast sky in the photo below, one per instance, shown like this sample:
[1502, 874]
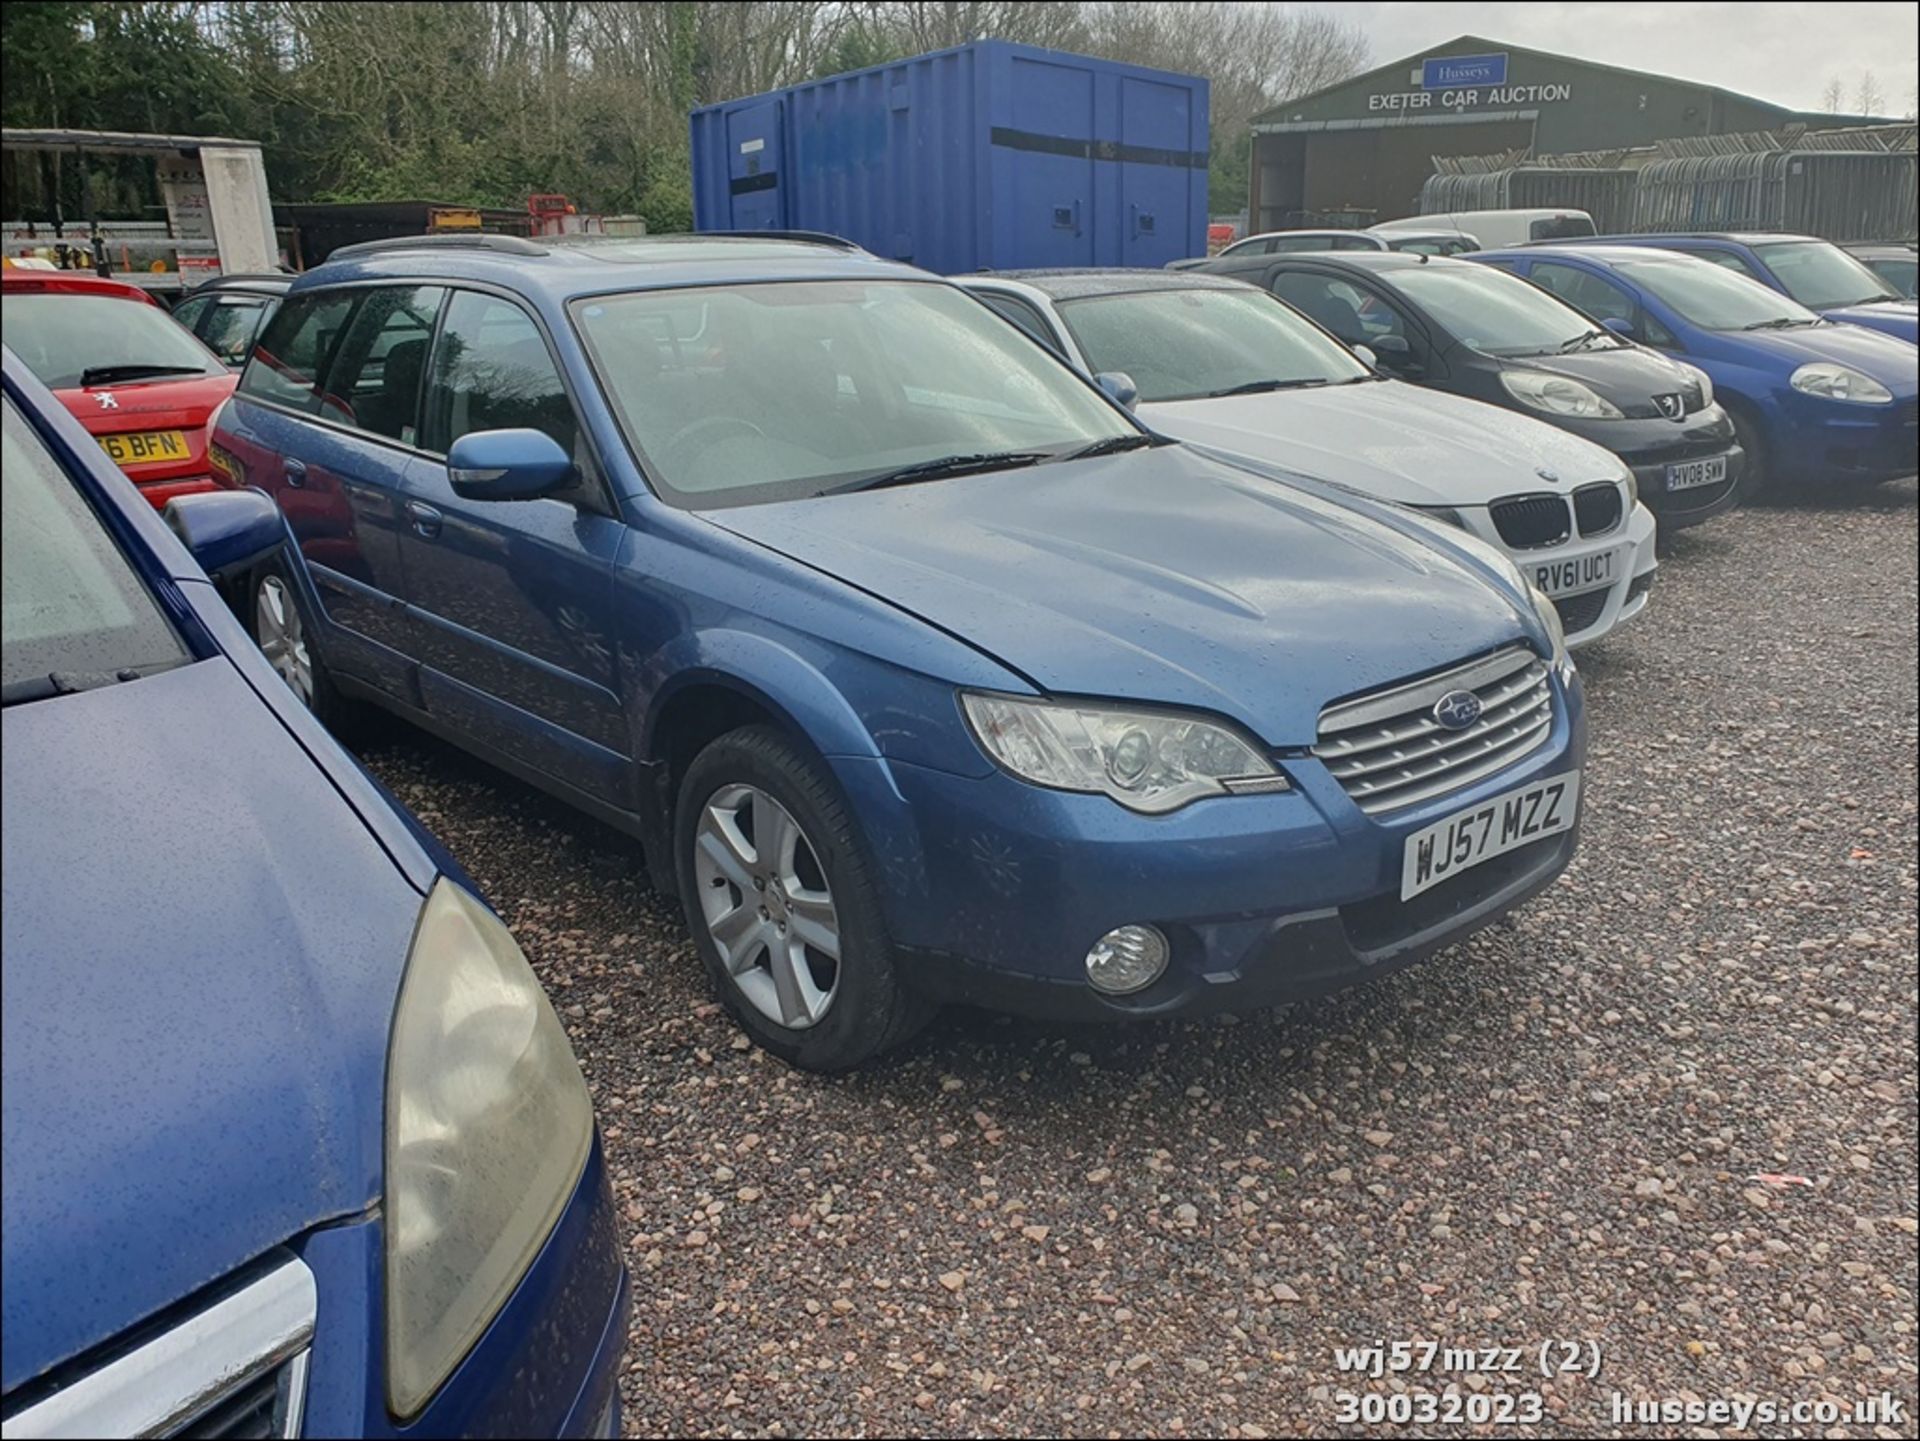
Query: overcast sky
[1785, 53]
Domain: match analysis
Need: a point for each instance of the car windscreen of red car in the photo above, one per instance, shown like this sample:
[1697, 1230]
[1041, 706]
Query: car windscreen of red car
[71, 340]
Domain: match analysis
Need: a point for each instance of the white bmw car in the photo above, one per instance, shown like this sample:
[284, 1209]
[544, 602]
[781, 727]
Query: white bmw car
[1219, 363]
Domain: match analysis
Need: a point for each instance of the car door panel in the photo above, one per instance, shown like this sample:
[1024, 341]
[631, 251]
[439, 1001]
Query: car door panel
[509, 597]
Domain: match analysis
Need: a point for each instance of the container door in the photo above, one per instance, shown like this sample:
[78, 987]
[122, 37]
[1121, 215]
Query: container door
[1049, 154]
[754, 149]
[1156, 172]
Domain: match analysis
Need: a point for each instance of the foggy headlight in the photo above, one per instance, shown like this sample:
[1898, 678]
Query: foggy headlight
[1557, 395]
[1549, 614]
[1700, 378]
[488, 1129]
[1840, 382]
[1149, 761]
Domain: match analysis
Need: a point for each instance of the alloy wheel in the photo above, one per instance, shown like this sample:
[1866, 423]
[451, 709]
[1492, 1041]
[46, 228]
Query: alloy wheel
[767, 905]
[283, 639]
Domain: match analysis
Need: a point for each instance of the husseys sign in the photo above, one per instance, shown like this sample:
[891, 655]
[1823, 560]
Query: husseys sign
[1466, 82]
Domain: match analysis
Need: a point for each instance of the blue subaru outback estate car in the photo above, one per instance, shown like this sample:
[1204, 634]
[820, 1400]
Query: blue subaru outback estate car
[293, 1142]
[919, 668]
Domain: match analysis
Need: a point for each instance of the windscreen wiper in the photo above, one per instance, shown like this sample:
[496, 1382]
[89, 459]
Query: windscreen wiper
[1257, 387]
[943, 467]
[1784, 322]
[108, 374]
[1581, 342]
[72, 682]
[1112, 445]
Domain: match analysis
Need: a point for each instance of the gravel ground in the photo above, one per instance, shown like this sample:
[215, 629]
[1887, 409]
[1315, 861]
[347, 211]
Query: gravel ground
[1545, 1134]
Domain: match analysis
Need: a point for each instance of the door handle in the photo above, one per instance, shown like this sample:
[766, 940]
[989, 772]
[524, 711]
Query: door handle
[426, 520]
[296, 471]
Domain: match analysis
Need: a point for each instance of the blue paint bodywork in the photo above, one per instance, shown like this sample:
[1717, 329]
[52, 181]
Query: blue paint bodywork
[1805, 436]
[207, 916]
[1896, 316]
[578, 645]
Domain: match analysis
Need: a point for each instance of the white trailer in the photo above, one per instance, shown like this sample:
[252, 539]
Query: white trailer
[219, 220]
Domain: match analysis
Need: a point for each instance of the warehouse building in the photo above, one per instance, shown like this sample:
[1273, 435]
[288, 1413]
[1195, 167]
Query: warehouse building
[1358, 152]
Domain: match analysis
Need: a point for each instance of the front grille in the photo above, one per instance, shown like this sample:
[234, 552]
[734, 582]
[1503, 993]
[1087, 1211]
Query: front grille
[1597, 508]
[1528, 522]
[229, 1365]
[1577, 612]
[1387, 750]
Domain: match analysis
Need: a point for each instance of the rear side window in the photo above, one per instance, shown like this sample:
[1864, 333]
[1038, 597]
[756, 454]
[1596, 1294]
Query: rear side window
[291, 360]
[188, 312]
[492, 371]
[375, 382]
[228, 329]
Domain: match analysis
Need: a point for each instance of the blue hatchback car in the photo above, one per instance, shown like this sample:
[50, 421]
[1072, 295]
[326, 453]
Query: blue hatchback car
[1813, 401]
[293, 1142]
[919, 668]
[1817, 273]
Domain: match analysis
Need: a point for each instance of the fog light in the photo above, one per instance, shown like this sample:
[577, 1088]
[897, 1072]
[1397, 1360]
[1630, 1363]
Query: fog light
[1127, 959]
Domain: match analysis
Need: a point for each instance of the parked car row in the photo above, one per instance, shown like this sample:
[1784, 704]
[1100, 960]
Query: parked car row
[1107, 645]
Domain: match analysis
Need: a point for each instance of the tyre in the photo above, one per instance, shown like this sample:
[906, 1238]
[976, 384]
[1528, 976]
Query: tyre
[782, 905]
[284, 633]
[1757, 480]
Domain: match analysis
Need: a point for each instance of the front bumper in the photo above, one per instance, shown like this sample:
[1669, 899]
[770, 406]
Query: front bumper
[547, 1365]
[1814, 440]
[1650, 444]
[996, 889]
[1590, 613]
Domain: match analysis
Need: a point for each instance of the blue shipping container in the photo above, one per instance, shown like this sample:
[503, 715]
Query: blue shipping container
[987, 156]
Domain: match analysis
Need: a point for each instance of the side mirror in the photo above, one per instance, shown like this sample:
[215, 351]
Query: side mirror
[1367, 357]
[1618, 326]
[226, 530]
[507, 465]
[1394, 352]
[1119, 387]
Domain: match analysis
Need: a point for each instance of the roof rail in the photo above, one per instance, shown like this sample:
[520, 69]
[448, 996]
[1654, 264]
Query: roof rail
[812, 237]
[501, 244]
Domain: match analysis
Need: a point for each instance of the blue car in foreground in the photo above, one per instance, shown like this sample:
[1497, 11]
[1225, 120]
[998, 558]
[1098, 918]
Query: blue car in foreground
[1814, 401]
[921, 670]
[293, 1142]
[1817, 273]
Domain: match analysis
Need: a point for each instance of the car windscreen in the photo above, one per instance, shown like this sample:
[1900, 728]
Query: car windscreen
[1190, 343]
[1496, 313]
[1900, 272]
[62, 336]
[73, 613]
[745, 393]
[1819, 275]
[1714, 298]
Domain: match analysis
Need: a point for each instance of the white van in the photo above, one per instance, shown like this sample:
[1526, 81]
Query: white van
[1497, 229]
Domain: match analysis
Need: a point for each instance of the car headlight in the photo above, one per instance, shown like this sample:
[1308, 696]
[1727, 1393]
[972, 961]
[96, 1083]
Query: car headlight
[1557, 395]
[1700, 378]
[488, 1129]
[1840, 382]
[1149, 761]
[1632, 483]
[1549, 614]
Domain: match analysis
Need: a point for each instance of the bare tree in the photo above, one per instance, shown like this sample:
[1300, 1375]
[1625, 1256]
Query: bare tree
[1833, 96]
[1868, 98]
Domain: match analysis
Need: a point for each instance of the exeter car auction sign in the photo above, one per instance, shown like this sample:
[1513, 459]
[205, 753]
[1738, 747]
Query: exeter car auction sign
[1466, 82]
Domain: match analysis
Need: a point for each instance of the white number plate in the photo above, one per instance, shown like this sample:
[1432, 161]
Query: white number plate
[1687, 474]
[1582, 572]
[1460, 842]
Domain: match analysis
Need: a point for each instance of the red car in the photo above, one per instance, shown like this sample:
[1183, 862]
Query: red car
[142, 385]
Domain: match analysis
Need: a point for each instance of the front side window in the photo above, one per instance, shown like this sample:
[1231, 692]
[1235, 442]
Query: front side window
[290, 362]
[1820, 275]
[1599, 297]
[71, 340]
[189, 312]
[1022, 316]
[1496, 313]
[1561, 227]
[1192, 343]
[1727, 260]
[1899, 273]
[1715, 299]
[375, 383]
[491, 370]
[1355, 315]
[740, 394]
[73, 613]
